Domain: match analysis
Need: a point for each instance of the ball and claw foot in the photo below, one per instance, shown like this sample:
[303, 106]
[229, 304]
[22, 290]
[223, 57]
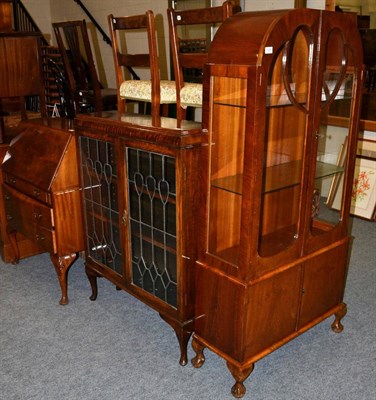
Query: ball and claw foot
[240, 375]
[238, 390]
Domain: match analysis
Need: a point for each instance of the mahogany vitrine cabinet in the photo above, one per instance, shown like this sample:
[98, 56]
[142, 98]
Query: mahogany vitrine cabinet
[272, 246]
[139, 185]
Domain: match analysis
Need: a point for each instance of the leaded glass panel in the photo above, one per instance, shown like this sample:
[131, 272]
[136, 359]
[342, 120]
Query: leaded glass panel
[101, 209]
[152, 204]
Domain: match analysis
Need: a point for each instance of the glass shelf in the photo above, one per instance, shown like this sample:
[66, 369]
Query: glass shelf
[278, 177]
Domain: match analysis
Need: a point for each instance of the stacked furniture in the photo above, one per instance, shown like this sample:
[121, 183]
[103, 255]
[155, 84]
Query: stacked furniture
[235, 229]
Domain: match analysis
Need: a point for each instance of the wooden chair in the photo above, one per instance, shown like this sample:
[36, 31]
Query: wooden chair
[75, 49]
[153, 90]
[187, 93]
[21, 73]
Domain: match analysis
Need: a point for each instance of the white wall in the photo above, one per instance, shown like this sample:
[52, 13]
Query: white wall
[40, 11]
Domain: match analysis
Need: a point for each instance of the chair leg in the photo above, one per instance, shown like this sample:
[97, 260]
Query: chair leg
[181, 113]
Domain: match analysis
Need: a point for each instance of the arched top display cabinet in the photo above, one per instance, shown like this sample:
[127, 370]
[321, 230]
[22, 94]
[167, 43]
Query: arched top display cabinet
[273, 171]
[272, 251]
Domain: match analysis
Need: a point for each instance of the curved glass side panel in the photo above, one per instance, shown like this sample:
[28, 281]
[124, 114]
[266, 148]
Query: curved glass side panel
[226, 166]
[336, 102]
[286, 118]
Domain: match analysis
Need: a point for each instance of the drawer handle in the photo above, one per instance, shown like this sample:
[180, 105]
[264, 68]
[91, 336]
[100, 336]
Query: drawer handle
[9, 217]
[36, 193]
[37, 215]
[6, 197]
[12, 180]
[39, 237]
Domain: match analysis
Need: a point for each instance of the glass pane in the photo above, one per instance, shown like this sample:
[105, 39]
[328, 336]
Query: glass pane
[101, 202]
[226, 167]
[336, 99]
[152, 204]
[287, 101]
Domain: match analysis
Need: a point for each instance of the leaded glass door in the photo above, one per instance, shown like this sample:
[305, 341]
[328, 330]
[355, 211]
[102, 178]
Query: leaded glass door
[101, 205]
[152, 223]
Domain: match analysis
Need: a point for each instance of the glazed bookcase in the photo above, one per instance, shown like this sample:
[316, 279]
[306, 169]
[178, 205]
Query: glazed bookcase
[139, 183]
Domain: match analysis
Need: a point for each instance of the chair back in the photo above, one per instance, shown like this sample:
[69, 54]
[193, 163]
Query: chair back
[189, 57]
[119, 27]
[74, 46]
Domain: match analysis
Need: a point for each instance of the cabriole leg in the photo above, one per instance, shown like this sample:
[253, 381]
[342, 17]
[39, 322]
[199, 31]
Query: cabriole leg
[62, 265]
[183, 333]
[336, 325]
[92, 276]
[198, 347]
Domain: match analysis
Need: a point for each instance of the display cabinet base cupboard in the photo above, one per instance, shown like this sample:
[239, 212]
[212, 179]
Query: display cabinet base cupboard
[273, 227]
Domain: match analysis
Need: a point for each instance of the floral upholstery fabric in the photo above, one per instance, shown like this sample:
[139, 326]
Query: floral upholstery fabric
[191, 95]
[141, 90]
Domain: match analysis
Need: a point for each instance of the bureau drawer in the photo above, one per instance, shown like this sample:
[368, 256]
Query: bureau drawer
[27, 188]
[31, 218]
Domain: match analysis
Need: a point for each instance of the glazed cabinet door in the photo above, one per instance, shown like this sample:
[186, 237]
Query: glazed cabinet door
[100, 180]
[339, 86]
[288, 105]
[151, 188]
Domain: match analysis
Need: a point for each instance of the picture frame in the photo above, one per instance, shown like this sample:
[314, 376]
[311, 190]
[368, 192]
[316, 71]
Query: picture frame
[341, 161]
[363, 196]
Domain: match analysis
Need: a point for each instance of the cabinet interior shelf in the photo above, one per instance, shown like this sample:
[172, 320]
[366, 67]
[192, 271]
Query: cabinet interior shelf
[154, 241]
[278, 177]
[103, 218]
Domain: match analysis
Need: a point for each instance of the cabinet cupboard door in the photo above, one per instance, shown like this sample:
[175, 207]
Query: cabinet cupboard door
[323, 283]
[101, 204]
[152, 223]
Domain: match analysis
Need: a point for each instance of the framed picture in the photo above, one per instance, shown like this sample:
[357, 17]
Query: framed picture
[363, 194]
[366, 148]
[341, 160]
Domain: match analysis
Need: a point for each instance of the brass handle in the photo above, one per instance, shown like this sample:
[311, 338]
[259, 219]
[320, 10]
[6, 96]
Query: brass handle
[39, 237]
[9, 217]
[124, 218]
[37, 215]
[36, 193]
